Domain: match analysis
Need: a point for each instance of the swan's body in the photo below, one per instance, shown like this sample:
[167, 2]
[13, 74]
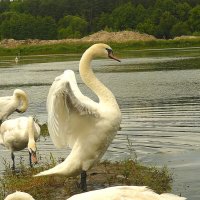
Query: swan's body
[17, 134]
[111, 193]
[19, 196]
[9, 104]
[126, 193]
[86, 126]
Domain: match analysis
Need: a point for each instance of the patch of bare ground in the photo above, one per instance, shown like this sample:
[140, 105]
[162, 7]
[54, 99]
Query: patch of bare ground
[101, 36]
[122, 36]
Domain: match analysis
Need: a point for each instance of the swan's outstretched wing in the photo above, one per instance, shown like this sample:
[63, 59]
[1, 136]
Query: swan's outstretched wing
[64, 103]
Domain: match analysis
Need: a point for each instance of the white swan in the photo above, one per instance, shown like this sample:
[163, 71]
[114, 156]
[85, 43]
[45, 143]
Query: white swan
[17, 134]
[9, 104]
[86, 126]
[16, 59]
[125, 192]
[111, 193]
[19, 196]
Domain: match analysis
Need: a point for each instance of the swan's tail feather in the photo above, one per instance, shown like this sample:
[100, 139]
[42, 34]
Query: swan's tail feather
[44, 173]
[67, 168]
[52, 171]
[167, 196]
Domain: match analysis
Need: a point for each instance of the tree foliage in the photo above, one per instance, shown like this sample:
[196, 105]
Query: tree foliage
[71, 27]
[50, 19]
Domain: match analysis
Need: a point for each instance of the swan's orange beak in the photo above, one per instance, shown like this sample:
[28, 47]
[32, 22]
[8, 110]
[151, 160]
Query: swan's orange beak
[34, 158]
[110, 55]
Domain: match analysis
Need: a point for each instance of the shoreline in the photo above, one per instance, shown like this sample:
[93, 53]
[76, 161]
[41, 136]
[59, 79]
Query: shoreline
[119, 41]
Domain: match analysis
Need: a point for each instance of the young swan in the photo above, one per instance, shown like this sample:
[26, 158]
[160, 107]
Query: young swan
[16, 103]
[19, 196]
[17, 134]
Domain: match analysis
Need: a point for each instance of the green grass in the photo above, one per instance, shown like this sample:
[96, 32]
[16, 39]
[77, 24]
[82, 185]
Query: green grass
[79, 47]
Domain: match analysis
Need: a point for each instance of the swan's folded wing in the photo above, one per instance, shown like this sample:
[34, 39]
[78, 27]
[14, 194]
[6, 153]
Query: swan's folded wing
[65, 100]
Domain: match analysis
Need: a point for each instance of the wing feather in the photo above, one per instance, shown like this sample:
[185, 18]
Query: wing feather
[64, 101]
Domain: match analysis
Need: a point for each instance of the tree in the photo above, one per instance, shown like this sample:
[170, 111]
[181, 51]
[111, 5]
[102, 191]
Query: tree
[72, 27]
[17, 26]
[16, 6]
[182, 11]
[104, 22]
[4, 6]
[45, 28]
[166, 23]
[166, 6]
[140, 14]
[180, 28]
[147, 27]
[194, 19]
[162, 18]
[123, 17]
[25, 26]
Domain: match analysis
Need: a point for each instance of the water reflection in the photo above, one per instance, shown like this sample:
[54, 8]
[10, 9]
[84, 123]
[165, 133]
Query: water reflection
[161, 110]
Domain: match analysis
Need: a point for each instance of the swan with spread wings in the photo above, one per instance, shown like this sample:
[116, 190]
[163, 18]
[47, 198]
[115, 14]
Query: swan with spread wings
[86, 126]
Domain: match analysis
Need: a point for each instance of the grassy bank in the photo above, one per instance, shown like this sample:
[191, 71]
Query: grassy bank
[105, 174]
[79, 47]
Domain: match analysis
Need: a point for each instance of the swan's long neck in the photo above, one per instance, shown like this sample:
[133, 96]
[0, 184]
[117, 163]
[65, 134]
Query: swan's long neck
[31, 138]
[104, 94]
[21, 96]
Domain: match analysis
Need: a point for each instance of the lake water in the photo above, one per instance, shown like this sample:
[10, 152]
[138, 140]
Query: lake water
[159, 95]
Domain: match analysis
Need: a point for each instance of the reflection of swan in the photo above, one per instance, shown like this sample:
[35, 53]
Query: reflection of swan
[17, 134]
[19, 196]
[9, 104]
[124, 192]
[111, 193]
[76, 120]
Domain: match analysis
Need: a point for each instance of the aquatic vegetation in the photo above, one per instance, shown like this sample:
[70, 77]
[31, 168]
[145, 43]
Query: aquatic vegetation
[44, 130]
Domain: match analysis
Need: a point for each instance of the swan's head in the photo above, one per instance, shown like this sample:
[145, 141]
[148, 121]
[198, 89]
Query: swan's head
[32, 151]
[102, 50]
[22, 99]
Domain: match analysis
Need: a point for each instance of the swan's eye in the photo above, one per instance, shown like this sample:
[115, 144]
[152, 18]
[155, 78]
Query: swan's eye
[110, 51]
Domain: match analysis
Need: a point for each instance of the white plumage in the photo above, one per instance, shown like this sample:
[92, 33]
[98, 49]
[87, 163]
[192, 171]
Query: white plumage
[88, 127]
[125, 193]
[17, 134]
[19, 196]
[17, 102]
[110, 193]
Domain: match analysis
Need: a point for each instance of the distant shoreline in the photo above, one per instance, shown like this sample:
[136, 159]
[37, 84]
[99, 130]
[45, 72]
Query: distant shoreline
[125, 40]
